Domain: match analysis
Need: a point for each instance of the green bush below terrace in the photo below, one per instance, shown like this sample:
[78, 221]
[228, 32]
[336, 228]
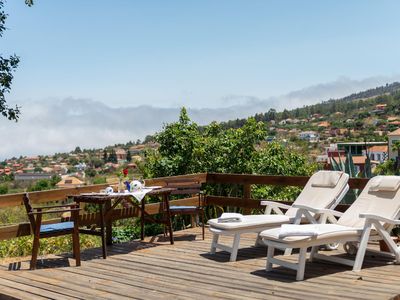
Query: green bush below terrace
[22, 246]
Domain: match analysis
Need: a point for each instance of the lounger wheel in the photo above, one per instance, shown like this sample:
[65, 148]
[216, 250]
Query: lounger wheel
[331, 246]
[351, 248]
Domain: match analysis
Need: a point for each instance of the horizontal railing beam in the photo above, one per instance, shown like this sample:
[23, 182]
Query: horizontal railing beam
[48, 196]
[242, 179]
[251, 203]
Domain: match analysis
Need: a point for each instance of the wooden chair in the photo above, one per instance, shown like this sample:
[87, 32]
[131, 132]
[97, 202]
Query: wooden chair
[188, 187]
[55, 229]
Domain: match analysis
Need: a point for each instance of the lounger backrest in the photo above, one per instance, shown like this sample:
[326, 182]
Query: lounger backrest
[381, 196]
[324, 189]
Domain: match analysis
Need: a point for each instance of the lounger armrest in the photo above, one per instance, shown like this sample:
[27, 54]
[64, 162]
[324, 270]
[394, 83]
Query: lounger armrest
[379, 218]
[274, 204]
[319, 210]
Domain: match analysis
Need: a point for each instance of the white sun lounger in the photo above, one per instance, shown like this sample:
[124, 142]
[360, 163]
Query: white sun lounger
[370, 217]
[324, 189]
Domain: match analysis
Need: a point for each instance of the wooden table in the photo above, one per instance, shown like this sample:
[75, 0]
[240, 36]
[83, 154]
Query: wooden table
[107, 203]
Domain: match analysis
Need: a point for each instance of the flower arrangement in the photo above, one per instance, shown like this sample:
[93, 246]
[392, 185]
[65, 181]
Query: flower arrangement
[123, 179]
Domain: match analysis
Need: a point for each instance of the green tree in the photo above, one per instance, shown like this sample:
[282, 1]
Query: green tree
[128, 156]
[8, 66]
[38, 170]
[91, 172]
[177, 143]
[105, 156]
[77, 150]
[113, 157]
[3, 189]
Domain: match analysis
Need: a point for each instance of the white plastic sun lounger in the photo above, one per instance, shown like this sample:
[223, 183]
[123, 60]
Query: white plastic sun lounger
[324, 189]
[370, 217]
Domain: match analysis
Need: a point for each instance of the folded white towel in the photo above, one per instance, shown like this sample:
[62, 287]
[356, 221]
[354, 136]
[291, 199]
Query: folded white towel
[230, 217]
[298, 230]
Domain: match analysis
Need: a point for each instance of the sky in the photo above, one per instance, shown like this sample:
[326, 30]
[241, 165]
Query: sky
[201, 54]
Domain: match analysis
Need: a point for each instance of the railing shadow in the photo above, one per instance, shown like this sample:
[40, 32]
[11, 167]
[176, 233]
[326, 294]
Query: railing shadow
[66, 259]
[244, 253]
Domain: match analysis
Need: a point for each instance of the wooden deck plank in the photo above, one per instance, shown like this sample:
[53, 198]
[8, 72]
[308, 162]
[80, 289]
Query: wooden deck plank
[156, 270]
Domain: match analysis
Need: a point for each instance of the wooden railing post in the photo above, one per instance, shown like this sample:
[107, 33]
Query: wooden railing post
[247, 197]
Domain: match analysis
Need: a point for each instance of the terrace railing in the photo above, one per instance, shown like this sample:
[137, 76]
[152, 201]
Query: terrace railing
[246, 202]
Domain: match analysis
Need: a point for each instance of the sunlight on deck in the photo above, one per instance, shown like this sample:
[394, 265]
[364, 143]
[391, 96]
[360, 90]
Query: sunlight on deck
[154, 269]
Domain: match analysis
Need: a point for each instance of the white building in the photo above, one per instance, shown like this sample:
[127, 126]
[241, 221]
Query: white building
[310, 136]
[393, 136]
[378, 153]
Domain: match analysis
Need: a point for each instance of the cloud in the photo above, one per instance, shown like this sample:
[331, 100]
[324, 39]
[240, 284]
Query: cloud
[339, 88]
[52, 125]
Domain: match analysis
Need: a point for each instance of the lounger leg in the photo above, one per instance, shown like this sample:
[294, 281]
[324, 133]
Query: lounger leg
[258, 240]
[270, 254]
[362, 247]
[388, 240]
[288, 251]
[235, 247]
[314, 250]
[302, 264]
[214, 243]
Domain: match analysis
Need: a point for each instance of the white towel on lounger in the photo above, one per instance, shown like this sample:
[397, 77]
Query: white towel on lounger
[298, 230]
[230, 217]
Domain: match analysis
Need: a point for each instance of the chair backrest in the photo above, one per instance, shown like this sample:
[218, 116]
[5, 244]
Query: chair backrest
[184, 186]
[324, 189]
[381, 196]
[29, 209]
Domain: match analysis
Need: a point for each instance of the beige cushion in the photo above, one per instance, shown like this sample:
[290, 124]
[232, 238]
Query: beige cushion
[326, 233]
[387, 183]
[318, 196]
[252, 221]
[383, 203]
[326, 179]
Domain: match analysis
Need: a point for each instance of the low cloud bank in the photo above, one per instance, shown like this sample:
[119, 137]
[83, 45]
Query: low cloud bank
[51, 126]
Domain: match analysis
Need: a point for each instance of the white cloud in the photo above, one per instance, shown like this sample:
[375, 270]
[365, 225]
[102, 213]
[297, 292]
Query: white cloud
[53, 125]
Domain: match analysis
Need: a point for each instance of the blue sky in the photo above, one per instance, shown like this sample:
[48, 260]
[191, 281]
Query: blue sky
[196, 53]
[81, 61]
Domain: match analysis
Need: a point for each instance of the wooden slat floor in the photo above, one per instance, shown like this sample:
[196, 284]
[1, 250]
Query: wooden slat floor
[156, 270]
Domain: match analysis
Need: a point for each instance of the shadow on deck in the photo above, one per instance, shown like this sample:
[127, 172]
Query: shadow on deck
[154, 269]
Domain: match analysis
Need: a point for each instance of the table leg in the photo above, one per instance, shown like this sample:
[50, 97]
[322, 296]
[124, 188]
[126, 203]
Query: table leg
[108, 222]
[142, 205]
[102, 231]
[168, 217]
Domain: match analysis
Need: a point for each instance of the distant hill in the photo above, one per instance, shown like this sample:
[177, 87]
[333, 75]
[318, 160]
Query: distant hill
[378, 91]
[346, 105]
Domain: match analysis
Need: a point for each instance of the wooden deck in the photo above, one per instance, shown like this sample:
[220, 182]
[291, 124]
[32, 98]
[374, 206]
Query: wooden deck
[156, 270]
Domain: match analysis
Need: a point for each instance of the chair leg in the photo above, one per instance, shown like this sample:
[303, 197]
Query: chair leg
[302, 264]
[76, 247]
[35, 251]
[235, 247]
[102, 231]
[214, 243]
[270, 254]
[202, 225]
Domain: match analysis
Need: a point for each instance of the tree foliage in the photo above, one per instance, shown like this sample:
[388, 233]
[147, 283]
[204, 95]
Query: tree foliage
[7, 68]
[184, 149]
